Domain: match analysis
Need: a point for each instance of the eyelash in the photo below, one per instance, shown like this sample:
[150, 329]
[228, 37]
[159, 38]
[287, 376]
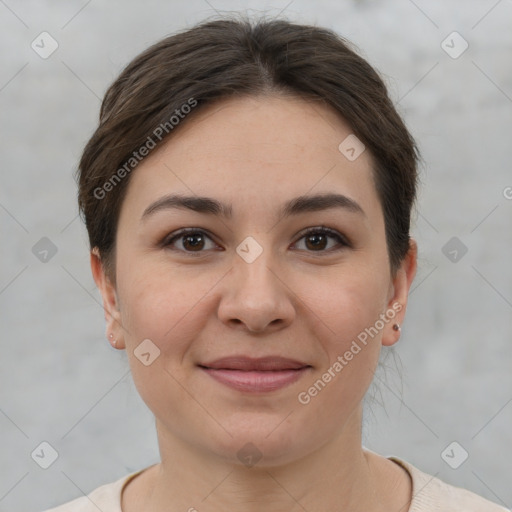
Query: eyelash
[168, 241]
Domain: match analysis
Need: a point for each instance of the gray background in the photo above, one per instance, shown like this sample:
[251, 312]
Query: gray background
[61, 382]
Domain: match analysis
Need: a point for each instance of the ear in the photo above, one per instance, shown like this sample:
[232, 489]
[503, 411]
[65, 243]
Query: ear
[110, 300]
[399, 292]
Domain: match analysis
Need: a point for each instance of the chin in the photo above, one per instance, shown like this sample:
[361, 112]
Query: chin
[263, 443]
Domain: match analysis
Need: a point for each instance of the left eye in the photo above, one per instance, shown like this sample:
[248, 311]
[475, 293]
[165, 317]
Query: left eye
[316, 240]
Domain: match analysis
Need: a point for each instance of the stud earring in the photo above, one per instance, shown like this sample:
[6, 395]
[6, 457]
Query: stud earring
[111, 338]
[397, 327]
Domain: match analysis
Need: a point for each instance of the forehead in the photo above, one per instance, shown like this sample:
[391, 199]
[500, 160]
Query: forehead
[256, 148]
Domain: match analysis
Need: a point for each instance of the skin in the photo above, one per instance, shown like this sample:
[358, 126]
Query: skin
[296, 300]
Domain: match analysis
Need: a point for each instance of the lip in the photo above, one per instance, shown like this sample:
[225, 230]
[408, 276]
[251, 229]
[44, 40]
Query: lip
[255, 375]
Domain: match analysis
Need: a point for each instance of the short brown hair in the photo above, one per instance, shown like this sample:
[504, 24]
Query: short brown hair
[237, 57]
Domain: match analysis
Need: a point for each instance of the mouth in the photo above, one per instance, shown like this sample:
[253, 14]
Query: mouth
[261, 375]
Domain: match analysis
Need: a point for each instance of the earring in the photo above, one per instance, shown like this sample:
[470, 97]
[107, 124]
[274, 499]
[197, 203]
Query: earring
[111, 338]
[396, 327]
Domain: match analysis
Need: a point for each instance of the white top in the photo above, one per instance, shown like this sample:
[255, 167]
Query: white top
[429, 494]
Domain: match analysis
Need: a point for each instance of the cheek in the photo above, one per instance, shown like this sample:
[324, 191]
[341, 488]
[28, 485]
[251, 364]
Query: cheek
[159, 305]
[346, 301]
[350, 332]
[351, 346]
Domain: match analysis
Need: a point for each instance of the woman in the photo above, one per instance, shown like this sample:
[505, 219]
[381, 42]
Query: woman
[247, 196]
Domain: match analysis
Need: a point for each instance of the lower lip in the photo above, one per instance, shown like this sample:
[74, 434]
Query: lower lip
[256, 381]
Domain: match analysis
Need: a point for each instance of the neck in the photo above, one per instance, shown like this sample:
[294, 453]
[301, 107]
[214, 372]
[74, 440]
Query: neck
[339, 475]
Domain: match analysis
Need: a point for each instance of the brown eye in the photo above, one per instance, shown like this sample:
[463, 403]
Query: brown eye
[191, 240]
[317, 239]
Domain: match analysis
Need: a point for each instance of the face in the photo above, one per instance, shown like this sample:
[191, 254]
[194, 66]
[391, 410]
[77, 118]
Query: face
[254, 277]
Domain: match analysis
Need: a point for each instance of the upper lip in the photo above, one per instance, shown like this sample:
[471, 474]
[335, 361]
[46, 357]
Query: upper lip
[245, 363]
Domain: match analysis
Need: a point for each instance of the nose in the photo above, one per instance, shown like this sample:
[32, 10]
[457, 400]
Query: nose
[256, 297]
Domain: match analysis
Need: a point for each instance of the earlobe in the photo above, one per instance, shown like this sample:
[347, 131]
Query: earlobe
[109, 297]
[401, 285]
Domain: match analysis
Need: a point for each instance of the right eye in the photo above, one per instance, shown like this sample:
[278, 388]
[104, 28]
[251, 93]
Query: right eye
[192, 240]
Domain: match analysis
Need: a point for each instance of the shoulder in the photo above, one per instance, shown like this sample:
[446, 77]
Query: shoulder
[106, 498]
[431, 494]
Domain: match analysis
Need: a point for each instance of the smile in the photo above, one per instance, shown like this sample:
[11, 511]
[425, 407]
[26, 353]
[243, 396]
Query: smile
[250, 375]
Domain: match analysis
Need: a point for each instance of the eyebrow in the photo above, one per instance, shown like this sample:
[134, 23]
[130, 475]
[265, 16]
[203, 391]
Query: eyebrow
[295, 206]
